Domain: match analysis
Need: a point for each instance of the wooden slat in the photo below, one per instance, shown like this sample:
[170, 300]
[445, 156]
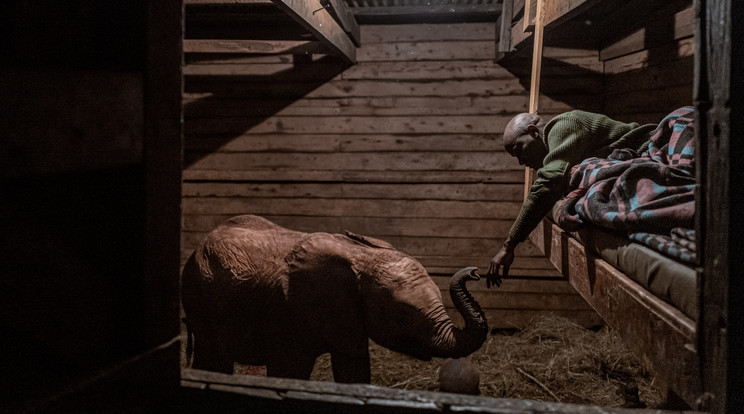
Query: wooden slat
[346, 18]
[511, 176]
[446, 10]
[518, 35]
[416, 161]
[530, 12]
[419, 246]
[397, 226]
[389, 70]
[662, 55]
[428, 32]
[376, 191]
[273, 47]
[343, 142]
[276, 394]
[495, 299]
[556, 12]
[511, 285]
[509, 319]
[316, 19]
[424, 50]
[645, 38]
[537, 264]
[345, 125]
[354, 208]
[242, 88]
[504, 40]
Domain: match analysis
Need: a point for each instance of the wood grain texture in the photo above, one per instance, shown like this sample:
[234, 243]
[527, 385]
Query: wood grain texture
[661, 335]
[316, 19]
[405, 146]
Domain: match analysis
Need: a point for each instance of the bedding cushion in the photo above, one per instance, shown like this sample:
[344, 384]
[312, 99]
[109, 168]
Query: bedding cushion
[667, 279]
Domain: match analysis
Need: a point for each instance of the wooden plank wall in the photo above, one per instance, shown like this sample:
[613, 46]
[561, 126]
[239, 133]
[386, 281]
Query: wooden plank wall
[649, 72]
[404, 146]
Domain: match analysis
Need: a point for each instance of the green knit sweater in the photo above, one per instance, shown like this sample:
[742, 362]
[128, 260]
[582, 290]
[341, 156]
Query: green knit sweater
[570, 138]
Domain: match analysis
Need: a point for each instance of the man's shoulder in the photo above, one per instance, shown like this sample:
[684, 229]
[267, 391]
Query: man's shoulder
[577, 114]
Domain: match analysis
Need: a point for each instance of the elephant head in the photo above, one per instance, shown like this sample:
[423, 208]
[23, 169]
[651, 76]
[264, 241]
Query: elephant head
[397, 302]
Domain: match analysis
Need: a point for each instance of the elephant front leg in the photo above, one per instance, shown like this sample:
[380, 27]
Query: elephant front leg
[291, 366]
[351, 368]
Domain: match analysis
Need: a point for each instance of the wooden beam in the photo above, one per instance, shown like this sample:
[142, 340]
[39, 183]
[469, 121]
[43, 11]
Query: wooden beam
[505, 28]
[530, 11]
[493, 9]
[227, 2]
[536, 58]
[316, 19]
[267, 47]
[717, 86]
[346, 19]
[555, 12]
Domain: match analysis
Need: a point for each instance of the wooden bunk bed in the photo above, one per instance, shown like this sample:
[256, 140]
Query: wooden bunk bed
[650, 300]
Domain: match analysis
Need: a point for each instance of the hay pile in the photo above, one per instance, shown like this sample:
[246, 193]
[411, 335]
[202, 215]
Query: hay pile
[552, 359]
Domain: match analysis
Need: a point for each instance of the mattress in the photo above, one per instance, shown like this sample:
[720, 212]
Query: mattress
[666, 278]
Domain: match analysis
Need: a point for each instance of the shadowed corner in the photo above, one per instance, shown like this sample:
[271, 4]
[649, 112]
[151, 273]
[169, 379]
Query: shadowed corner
[604, 33]
[241, 102]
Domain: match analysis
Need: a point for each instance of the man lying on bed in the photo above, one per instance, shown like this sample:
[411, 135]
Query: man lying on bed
[552, 148]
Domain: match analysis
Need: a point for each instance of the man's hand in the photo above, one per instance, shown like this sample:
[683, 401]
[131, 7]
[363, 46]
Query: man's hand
[503, 259]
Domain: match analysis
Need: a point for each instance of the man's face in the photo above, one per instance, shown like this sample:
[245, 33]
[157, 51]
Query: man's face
[528, 150]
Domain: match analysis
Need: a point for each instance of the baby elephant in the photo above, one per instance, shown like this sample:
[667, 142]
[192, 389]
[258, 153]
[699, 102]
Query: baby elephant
[459, 375]
[259, 294]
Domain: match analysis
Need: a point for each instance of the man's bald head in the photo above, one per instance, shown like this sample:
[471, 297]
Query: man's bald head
[519, 125]
[523, 140]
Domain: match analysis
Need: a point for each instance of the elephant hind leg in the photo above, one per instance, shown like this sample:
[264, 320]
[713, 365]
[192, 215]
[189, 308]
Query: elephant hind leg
[209, 355]
[350, 368]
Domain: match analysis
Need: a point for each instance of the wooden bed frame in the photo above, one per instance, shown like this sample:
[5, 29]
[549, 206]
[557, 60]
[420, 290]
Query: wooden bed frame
[658, 333]
[661, 335]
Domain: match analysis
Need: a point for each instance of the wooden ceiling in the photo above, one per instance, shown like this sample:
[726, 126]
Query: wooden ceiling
[303, 27]
[421, 11]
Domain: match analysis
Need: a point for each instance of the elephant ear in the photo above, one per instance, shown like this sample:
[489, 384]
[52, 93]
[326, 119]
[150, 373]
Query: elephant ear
[369, 241]
[323, 289]
[321, 253]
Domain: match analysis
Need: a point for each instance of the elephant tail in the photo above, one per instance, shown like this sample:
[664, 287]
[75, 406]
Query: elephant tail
[189, 343]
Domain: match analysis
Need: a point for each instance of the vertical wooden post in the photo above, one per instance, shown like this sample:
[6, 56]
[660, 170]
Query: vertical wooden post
[162, 163]
[718, 84]
[537, 49]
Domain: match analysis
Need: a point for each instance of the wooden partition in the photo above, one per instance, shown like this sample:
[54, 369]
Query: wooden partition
[643, 55]
[405, 145]
[648, 71]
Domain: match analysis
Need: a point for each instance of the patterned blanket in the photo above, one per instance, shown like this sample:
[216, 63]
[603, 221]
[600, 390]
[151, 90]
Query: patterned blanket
[653, 192]
[679, 244]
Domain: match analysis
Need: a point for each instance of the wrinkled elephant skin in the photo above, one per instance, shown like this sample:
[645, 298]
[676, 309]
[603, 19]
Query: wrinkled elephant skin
[259, 294]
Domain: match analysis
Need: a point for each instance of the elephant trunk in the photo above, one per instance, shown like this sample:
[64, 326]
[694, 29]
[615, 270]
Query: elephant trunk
[451, 341]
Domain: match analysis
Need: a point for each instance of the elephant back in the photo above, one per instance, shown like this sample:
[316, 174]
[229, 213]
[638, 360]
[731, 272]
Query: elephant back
[252, 222]
[239, 248]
